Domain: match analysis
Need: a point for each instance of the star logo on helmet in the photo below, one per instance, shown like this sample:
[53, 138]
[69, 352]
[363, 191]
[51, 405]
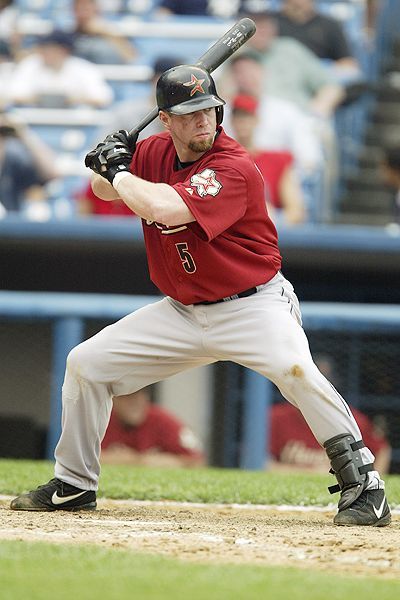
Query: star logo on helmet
[196, 83]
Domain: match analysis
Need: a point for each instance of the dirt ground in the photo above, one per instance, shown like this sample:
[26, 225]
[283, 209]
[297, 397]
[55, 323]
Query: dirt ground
[226, 534]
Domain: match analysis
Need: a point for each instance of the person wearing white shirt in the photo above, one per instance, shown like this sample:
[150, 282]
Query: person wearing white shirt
[281, 124]
[53, 77]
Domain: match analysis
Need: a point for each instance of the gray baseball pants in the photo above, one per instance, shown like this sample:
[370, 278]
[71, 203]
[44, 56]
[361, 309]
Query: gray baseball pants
[262, 332]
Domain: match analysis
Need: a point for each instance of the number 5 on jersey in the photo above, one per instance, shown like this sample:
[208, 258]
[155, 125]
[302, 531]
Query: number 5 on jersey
[187, 259]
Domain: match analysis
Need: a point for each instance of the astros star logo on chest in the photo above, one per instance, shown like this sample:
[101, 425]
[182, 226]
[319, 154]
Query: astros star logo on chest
[206, 183]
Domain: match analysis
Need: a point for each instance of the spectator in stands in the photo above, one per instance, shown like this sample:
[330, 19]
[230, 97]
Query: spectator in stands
[197, 8]
[284, 195]
[282, 126]
[293, 446]
[323, 35]
[142, 433]
[292, 71]
[391, 176]
[52, 77]
[90, 204]
[97, 40]
[26, 165]
[373, 8]
[6, 71]
[9, 12]
[125, 115]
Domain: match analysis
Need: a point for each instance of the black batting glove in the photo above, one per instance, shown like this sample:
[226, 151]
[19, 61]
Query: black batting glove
[113, 155]
[123, 137]
[109, 159]
[90, 157]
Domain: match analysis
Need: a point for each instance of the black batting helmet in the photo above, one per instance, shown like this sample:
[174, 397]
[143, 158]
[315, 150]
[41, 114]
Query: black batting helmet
[185, 89]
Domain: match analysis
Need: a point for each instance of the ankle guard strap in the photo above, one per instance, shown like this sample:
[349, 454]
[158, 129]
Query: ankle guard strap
[346, 464]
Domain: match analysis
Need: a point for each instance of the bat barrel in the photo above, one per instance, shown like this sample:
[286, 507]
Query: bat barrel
[227, 45]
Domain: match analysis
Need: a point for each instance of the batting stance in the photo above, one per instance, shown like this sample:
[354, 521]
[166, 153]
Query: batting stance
[213, 251]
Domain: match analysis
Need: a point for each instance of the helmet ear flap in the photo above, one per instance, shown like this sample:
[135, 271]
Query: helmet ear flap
[219, 111]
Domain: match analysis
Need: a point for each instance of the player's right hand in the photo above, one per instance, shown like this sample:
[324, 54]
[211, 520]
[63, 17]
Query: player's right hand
[108, 159]
[117, 147]
[123, 137]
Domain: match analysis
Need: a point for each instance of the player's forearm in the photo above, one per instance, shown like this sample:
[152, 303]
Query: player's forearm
[157, 202]
[102, 188]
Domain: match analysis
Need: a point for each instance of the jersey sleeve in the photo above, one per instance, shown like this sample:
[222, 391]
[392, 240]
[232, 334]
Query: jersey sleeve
[217, 198]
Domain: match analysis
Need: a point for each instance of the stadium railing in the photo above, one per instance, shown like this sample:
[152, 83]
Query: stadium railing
[68, 313]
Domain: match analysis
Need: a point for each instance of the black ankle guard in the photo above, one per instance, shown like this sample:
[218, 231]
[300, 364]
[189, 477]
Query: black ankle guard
[346, 464]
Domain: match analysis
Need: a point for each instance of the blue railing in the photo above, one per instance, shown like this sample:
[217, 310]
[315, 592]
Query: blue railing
[343, 238]
[68, 312]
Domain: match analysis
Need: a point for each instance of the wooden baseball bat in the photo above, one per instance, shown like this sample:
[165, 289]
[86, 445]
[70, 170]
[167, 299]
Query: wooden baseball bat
[218, 53]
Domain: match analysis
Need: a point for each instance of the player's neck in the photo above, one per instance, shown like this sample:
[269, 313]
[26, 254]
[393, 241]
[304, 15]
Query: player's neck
[179, 165]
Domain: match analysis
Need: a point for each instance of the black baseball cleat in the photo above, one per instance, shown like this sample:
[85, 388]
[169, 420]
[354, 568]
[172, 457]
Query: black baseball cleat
[370, 508]
[55, 495]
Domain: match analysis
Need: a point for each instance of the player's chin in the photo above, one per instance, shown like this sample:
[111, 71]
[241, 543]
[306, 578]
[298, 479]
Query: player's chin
[201, 143]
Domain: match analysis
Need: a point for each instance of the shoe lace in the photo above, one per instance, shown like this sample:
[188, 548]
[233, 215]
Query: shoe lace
[53, 481]
[361, 500]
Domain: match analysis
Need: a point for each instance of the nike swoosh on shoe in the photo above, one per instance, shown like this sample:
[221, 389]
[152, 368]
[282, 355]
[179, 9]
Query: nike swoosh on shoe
[379, 511]
[57, 500]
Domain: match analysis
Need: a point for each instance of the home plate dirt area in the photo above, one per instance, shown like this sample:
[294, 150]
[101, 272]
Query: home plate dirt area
[218, 533]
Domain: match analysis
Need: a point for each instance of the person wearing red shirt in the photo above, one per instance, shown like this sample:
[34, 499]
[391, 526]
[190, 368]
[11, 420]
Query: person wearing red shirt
[90, 204]
[142, 433]
[293, 446]
[213, 251]
[283, 194]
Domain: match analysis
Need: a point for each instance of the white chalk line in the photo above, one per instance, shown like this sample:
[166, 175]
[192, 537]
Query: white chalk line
[218, 506]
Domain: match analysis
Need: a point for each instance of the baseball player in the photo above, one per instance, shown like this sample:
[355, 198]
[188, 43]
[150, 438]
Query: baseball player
[213, 251]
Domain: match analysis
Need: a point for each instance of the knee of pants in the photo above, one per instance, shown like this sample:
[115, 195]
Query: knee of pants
[83, 362]
[297, 373]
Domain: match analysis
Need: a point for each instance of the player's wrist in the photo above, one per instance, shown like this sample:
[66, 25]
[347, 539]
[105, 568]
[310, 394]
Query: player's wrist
[118, 177]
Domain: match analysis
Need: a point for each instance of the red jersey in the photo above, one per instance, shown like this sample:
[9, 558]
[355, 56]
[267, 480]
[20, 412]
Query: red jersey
[232, 246]
[272, 166]
[292, 441]
[160, 431]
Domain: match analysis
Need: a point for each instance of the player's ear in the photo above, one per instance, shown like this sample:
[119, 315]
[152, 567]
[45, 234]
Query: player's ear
[165, 119]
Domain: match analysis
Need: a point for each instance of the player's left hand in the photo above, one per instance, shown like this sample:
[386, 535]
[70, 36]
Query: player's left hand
[113, 155]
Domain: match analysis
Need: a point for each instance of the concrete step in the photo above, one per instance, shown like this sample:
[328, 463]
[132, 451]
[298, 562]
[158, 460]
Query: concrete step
[389, 90]
[367, 202]
[382, 134]
[370, 157]
[367, 178]
[356, 218]
[386, 113]
[396, 48]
